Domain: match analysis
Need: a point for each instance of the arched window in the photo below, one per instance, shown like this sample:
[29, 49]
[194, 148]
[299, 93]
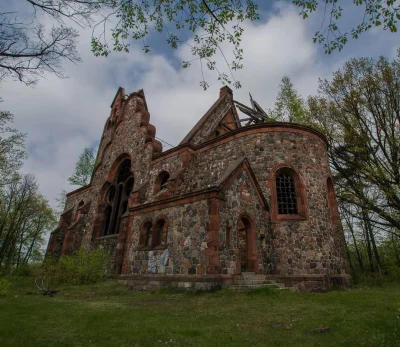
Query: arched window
[117, 197]
[160, 182]
[288, 194]
[159, 236]
[145, 235]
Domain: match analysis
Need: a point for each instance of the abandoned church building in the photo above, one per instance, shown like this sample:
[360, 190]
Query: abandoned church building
[239, 194]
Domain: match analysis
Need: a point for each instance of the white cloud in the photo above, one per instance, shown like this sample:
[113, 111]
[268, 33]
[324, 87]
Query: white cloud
[61, 117]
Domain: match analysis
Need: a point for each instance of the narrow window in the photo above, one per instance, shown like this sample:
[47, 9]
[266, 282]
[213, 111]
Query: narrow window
[158, 233]
[228, 236]
[160, 182]
[286, 193]
[148, 231]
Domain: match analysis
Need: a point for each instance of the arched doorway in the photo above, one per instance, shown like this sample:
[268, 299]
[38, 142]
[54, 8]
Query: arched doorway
[246, 242]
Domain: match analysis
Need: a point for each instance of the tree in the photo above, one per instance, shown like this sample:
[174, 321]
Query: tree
[359, 113]
[26, 52]
[25, 219]
[12, 151]
[374, 13]
[289, 105]
[83, 168]
[61, 201]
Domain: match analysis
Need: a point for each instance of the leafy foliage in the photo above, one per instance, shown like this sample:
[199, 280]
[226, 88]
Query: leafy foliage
[359, 113]
[27, 50]
[376, 13]
[25, 219]
[12, 151]
[82, 267]
[83, 168]
[4, 285]
[289, 105]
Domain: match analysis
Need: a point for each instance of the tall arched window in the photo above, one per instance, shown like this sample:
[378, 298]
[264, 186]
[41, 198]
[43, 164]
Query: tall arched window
[161, 179]
[288, 194]
[117, 198]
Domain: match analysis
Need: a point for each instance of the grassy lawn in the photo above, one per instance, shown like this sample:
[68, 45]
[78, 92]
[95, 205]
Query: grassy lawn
[109, 314]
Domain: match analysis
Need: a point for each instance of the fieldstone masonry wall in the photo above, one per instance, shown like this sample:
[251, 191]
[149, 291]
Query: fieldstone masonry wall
[217, 203]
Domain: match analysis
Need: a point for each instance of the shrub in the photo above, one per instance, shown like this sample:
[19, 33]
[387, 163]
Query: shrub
[4, 284]
[84, 267]
[80, 268]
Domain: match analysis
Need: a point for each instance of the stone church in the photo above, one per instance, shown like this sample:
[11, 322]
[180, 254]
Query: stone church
[236, 195]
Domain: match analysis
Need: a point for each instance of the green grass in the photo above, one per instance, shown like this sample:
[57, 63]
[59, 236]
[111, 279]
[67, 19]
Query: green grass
[109, 314]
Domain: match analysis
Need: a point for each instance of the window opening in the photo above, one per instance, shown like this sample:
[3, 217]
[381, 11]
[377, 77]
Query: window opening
[111, 193]
[108, 219]
[117, 198]
[124, 171]
[164, 180]
[129, 187]
[160, 182]
[158, 233]
[148, 234]
[286, 194]
[228, 236]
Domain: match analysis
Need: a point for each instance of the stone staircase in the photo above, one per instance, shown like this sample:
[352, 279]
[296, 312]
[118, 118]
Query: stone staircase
[250, 280]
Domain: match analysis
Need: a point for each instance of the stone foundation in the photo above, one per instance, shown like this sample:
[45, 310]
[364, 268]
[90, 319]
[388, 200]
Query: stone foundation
[314, 283]
[193, 283]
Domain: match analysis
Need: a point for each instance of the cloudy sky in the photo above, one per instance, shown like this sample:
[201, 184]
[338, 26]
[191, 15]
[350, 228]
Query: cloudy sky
[62, 116]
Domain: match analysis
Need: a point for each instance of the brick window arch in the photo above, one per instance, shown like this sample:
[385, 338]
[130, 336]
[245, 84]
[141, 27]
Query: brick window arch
[288, 194]
[161, 179]
[116, 198]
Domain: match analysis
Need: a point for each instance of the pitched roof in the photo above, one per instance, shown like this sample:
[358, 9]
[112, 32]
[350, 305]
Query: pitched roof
[225, 97]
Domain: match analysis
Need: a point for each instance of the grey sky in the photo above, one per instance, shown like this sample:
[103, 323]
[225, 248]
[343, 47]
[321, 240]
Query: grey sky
[61, 117]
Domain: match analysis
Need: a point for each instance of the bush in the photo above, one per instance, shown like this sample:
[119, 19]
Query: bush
[80, 268]
[83, 267]
[4, 284]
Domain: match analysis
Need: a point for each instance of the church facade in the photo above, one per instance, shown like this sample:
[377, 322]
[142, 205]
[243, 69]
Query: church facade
[230, 198]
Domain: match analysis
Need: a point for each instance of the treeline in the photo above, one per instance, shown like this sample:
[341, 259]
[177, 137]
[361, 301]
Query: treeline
[25, 215]
[358, 111]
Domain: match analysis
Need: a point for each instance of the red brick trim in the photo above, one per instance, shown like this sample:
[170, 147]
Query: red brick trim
[301, 194]
[175, 201]
[251, 244]
[112, 172]
[241, 132]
